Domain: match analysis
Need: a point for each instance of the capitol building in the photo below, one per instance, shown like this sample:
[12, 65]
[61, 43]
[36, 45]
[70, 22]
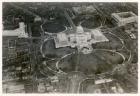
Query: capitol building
[80, 39]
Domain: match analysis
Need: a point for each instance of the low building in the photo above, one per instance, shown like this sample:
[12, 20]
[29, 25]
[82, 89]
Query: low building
[20, 32]
[124, 18]
[13, 87]
[84, 9]
[41, 87]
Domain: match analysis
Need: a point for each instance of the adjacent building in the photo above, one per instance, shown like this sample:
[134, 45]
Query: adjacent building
[20, 32]
[124, 18]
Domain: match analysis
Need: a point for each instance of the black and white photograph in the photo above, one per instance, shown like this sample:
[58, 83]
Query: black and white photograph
[70, 47]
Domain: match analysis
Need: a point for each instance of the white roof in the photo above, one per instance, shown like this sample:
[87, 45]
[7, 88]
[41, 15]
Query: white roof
[20, 32]
[61, 37]
[98, 36]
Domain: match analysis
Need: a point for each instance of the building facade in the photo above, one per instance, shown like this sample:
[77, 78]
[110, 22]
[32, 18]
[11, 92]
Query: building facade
[80, 39]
